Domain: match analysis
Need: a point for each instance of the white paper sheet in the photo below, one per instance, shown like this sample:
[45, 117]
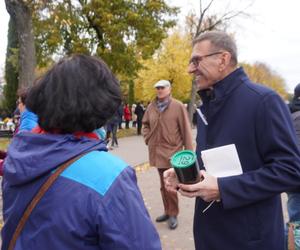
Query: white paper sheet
[222, 161]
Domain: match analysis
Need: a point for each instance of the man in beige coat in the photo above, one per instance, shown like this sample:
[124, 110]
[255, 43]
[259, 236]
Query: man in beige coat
[166, 130]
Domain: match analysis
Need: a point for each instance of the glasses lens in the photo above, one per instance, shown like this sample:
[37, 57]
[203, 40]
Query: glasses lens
[195, 61]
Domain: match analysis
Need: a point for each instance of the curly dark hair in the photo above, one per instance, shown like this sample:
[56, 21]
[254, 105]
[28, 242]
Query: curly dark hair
[79, 93]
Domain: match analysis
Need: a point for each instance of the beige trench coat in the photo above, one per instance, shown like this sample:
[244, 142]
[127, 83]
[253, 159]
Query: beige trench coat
[166, 132]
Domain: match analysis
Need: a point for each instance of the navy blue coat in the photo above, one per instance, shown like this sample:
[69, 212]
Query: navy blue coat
[257, 121]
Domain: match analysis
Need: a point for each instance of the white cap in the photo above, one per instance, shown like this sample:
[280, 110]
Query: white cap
[162, 83]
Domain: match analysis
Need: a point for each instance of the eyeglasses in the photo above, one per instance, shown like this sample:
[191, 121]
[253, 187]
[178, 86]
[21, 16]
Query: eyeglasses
[161, 87]
[197, 59]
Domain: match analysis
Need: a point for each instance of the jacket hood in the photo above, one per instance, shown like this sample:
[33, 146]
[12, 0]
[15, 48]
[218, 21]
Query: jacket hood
[31, 156]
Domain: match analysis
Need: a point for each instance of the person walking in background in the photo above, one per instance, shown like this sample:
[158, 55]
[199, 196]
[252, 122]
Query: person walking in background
[113, 124]
[28, 119]
[26, 122]
[139, 112]
[166, 130]
[94, 203]
[134, 117]
[247, 214]
[120, 113]
[127, 115]
[293, 204]
[294, 105]
[2, 157]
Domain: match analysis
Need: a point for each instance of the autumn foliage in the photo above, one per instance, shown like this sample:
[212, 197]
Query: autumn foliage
[170, 63]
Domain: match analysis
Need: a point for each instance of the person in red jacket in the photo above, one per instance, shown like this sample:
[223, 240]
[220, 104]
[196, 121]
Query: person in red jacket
[127, 115]
[2, 157]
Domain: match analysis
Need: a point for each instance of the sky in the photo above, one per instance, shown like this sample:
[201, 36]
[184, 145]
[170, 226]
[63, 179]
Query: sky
[270, 34]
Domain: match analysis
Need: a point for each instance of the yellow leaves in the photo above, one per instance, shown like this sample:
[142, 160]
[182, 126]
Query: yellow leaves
[262, 73]
[169, 62]
[65, 22]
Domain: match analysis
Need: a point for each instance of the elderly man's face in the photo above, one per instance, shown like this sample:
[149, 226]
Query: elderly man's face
[205, 64]
[163, 92]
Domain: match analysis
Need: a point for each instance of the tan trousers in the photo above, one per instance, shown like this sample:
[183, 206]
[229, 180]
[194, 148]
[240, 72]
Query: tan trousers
[170, 200]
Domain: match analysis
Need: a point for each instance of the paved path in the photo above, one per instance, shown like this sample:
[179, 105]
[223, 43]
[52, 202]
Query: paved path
[134, 151]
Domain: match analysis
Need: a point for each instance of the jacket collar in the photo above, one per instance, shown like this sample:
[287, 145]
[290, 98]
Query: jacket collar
[225, 86]
[155, 100]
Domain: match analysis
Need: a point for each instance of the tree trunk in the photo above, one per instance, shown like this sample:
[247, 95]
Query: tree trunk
[11, 68]
[21, 14]
[191, 106]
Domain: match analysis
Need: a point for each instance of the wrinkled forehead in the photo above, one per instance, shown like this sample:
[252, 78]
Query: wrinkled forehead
[202, 48]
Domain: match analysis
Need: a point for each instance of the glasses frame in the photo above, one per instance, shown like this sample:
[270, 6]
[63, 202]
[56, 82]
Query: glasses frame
[195, 60]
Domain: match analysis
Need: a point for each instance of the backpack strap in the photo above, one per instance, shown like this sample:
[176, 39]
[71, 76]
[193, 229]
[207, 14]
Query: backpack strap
[47, 184]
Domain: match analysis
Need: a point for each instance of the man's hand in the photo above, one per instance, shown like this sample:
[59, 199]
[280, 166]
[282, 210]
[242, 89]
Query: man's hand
[171, 181]
[207, 189]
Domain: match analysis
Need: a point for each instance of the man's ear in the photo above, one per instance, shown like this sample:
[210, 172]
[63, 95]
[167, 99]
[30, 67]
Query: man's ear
[225, 60]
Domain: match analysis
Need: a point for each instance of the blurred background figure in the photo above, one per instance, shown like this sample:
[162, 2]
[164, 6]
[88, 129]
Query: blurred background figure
[293, 204]
[127, 115]
[166, 130]
[134, 117]
[139, 112]
[28, 120]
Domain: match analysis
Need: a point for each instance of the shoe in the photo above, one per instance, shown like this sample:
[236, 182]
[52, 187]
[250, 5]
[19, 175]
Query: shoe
[172, 222]
[162, 218]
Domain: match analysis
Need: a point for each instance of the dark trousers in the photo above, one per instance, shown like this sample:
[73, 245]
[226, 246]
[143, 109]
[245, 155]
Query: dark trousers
[127, 124]
[114, 135]
[170, 200]
[139, 127]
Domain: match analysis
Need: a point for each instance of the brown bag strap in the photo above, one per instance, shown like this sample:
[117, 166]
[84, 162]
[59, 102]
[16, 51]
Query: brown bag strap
[291, 238]
[37, 198]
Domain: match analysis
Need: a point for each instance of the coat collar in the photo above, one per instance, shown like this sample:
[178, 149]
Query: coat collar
[155, 100]
[225, 86]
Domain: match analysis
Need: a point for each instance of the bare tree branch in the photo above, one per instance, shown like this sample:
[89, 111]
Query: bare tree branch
[206, 23]
[202, 15]
[94, 26]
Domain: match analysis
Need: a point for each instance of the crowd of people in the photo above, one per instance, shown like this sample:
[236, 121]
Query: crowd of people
[132, 117]
[63, 190]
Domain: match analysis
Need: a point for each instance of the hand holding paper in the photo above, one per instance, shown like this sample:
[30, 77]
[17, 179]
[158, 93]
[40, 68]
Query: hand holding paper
[219, 162]
[222, 161]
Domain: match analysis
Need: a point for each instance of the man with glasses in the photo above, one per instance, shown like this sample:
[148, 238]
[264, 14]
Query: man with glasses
[248, 212]
[166, 130]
